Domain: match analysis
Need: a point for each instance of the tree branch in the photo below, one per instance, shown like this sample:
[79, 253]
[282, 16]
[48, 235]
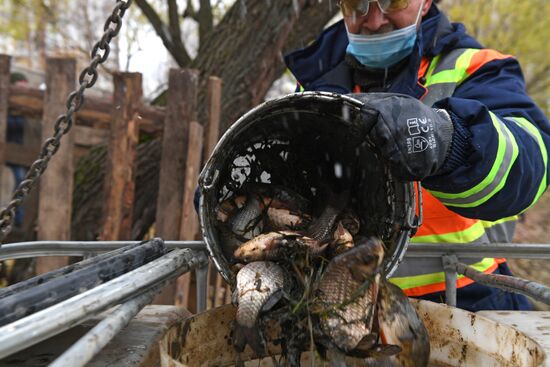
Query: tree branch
[190, 11]
[205, 19]
[175, 32]
[178, 52]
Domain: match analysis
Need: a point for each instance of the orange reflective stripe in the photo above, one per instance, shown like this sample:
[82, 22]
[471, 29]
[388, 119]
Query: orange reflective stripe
[424, 64]
[462, 281]
[482, 57]
[439, 220]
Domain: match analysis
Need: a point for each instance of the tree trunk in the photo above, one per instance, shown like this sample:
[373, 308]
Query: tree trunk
[246, 49]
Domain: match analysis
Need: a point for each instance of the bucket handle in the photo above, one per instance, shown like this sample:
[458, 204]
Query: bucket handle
[417, 222]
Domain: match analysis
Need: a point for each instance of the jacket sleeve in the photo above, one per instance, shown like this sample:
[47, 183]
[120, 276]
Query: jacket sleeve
[498, 162]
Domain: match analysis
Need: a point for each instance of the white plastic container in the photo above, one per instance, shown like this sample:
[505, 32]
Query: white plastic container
[457, 337]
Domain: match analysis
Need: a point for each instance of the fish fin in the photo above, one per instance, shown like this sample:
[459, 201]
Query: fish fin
[384, 350]
[363, 348]
[367, 349]
[272, 300]
[243, 335]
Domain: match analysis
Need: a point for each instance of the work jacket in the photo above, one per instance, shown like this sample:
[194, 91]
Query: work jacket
[499, 148]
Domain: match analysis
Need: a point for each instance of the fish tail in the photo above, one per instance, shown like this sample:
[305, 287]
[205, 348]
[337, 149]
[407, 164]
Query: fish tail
[243, 335]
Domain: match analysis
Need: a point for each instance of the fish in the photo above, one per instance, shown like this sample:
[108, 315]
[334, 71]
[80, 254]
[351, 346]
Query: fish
[277, 196]
[350, 221]
[248, 223]
[343, 240]
[322, 228]
[277, 246]
[258, 288]
[348, 292]
[229, 241]
[400, 325]
[227, 208]
[284, 219]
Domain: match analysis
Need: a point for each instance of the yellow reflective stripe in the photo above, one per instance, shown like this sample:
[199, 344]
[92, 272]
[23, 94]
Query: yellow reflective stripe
[468, 235]
[433, 65]
[488, 224]
[535, 133]
[456, 75]
[434, 278]
[507, 153]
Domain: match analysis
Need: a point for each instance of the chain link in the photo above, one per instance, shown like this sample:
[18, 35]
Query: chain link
[88, 77]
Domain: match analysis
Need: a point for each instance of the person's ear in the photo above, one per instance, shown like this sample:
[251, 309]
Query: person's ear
[426, 7]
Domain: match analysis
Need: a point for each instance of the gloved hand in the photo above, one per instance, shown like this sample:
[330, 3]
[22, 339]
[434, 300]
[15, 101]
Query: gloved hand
[412, 137]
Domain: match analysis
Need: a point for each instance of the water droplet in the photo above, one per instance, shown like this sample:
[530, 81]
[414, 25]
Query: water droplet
[338, 170]
[345, 112]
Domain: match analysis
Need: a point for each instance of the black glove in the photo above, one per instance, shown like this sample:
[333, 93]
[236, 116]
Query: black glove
[412, 137]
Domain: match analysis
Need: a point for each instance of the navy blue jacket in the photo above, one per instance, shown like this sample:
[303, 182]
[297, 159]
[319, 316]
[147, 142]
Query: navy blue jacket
[496, 88]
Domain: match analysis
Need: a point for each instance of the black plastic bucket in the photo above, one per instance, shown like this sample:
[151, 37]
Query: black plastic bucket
[303, 142]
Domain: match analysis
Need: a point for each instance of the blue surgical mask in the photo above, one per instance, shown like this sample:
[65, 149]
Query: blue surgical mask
[381, 51]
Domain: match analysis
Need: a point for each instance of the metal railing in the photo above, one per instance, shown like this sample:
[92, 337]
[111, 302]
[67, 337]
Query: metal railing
[135, 289]
[132, 291]
[453, 255]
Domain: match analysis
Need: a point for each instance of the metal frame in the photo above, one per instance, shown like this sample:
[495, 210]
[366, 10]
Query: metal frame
[21, 250]
[136, 288]
[64, 315]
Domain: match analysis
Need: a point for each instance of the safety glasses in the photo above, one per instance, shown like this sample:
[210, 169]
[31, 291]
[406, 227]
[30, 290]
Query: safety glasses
[361, 7]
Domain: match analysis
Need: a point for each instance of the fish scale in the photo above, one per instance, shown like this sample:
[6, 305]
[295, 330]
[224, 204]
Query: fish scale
[347, 325]
[247, 222]
[348, 293]
[256, 283]
[323, 228]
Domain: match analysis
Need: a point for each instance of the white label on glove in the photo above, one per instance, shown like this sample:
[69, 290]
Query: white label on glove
[421, 135]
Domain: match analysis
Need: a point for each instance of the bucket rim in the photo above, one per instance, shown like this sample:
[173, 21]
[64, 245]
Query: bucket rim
[209, 176]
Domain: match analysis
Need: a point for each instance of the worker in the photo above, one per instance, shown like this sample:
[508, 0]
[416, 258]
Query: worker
[446, 111]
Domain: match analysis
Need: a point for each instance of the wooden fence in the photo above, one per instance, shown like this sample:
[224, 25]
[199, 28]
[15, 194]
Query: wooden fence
[185, 144]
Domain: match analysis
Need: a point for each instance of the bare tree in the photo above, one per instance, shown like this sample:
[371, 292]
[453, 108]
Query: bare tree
[244, 47]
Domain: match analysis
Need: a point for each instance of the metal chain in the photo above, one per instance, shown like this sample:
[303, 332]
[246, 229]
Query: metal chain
[88, 77]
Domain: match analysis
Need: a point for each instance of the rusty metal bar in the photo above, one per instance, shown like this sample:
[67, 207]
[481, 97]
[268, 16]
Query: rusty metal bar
[20, 250]
[507, 283]
[37, 280]
[80, 353]
[450, 279]
[201, 276]
[62, 316]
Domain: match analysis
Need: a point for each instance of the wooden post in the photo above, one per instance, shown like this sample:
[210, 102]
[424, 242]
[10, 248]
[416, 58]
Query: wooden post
[214, 114]
[119, 179]
[56, 184]
[189, 228]
[5, 62]
[211, 137]
[181, 109]
[32, 141]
